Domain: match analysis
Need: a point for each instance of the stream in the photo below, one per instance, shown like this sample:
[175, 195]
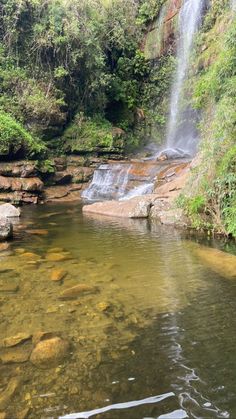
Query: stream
[155, 340]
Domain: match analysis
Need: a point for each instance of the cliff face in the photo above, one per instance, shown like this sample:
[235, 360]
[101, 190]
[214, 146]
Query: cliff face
[162, 32]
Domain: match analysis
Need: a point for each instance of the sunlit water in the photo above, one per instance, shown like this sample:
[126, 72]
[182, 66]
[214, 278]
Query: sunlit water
[163, 348]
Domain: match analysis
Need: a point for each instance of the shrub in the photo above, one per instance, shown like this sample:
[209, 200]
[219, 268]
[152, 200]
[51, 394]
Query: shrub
[15, 140]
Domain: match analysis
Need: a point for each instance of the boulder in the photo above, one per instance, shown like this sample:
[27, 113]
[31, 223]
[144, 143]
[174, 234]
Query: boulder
[9, 211]
[138, 207]
[6, 229]
[62, 177]
[50, 352]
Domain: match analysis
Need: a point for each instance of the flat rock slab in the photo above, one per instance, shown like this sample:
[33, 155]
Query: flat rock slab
[138, 207]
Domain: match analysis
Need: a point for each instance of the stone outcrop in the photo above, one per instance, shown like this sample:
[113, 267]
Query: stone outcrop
[162, 31]
[158, 205]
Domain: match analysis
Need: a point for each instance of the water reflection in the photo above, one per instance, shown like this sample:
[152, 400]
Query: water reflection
[159, 323]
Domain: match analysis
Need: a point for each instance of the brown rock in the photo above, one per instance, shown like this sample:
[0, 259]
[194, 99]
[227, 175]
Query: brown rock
[15, 340]
[21, 184]
[62, 178]
[39, 232]
[222, 263]
[4, 246]
[16, 354]
[76, 291]
[58, 275]
[48, 353]
[30, 255]
[39, 336]
[57, 257]
[8, 393]
[138, 207]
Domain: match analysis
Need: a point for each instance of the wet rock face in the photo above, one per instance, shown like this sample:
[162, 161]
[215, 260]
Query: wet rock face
[6, 229]
[50, 352]
[163, 30]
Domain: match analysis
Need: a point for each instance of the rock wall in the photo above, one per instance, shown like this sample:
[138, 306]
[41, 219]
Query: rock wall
[162, 31]
[25, 182]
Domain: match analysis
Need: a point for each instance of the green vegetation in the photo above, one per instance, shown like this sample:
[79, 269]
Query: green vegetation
[213, 203]
[60, 58]
[15, 140]
[87, 135]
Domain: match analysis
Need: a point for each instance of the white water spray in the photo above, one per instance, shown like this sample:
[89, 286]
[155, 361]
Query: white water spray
[181, 132]
[109, 182]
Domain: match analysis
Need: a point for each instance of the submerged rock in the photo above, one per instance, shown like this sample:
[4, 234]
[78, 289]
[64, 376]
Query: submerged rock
[9, 285]
[57, 257]
[16, 354]
[8, 393]
[15, 340]
[58, 275]
[38, 232]
[76, 291]
[4, 246]
[48, 353]
[6, 229]
[222, 263]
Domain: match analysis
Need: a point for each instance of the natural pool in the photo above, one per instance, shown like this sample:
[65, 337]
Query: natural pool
[159, 319]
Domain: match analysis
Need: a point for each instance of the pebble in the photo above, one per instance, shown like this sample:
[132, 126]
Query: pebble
[76, 291]
[58, 275]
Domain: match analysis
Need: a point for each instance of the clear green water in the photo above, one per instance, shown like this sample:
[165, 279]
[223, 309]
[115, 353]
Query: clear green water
[169, 326]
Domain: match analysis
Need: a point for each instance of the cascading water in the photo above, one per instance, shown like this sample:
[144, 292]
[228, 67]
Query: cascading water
[181, 132]
[122, 180]
[109, 182]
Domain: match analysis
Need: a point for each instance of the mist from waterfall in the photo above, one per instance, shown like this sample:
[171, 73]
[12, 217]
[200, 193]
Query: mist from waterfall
[181, 131]
[233, 5]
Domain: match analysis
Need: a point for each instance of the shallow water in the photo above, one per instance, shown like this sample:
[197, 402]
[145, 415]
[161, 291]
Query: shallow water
[159, 331]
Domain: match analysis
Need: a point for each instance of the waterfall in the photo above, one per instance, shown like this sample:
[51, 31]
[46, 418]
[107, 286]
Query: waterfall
[233, 5]
[181, 132]
[109, 182]
[122, 181]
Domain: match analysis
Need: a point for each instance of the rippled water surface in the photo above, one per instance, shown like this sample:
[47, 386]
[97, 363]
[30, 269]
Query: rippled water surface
[155, 339]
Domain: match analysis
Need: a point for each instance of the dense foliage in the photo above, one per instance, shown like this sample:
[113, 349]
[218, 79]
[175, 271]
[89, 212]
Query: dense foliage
[59, 58]
[213, 203]
[15, 140]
